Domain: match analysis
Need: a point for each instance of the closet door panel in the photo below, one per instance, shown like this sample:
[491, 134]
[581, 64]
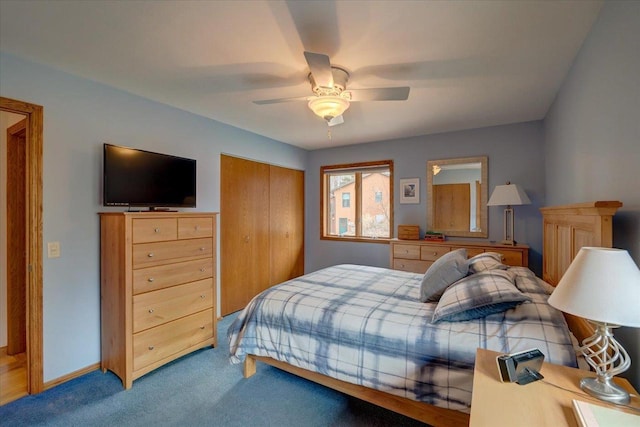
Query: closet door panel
[244, 231]
[287, 224]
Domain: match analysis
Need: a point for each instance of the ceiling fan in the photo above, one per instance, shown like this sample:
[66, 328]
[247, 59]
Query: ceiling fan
[331, 97]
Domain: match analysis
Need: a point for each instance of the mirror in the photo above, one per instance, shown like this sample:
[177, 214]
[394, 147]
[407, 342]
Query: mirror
[457, 196]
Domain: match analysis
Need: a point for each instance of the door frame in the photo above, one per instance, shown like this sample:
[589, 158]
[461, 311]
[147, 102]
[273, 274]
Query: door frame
[34, 141]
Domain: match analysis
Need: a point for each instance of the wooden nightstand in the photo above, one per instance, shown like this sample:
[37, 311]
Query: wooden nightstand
[494, 403]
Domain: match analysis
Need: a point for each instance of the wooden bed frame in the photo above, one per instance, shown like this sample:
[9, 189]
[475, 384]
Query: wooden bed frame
[565, 230]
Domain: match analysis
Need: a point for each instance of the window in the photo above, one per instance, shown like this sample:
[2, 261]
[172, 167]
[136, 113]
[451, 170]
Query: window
[357, 201]
[346, 200]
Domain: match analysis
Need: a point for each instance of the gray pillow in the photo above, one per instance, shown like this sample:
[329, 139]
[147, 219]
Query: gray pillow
[479, 295]
[486, 261]
[446, 270]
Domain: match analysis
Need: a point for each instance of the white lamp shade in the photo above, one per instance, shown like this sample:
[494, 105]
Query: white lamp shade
[328, 106]
[601, 284]
[509, 194]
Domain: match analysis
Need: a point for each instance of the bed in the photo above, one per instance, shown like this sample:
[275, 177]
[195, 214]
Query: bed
[364, 330]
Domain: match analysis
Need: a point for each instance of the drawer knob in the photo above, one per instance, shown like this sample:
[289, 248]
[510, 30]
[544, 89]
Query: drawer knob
[202, 269]
[151, 347]
[156, 230]
[150, 279]
[201, 249]
[202, 296]
[150, 255]
[246, 239]
[201, 327]
[151, 310]
[197, 227]
[435, 253]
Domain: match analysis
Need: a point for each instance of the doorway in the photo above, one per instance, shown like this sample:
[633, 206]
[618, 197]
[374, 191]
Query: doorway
[25, 326]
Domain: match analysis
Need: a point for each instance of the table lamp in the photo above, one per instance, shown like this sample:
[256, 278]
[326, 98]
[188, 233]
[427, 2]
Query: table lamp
[602, 285]
[508, 195]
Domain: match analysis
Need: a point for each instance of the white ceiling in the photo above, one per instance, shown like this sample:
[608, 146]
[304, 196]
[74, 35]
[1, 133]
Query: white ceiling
[469, 64]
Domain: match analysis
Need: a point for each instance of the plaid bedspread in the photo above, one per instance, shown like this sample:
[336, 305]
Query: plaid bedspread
[366, 325]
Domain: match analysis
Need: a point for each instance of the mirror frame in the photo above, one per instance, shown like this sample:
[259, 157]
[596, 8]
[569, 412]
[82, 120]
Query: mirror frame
[484, 188]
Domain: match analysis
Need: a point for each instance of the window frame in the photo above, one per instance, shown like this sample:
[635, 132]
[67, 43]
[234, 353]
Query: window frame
[359, 169]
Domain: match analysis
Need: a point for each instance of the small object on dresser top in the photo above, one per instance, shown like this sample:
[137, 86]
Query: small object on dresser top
[434, 236]
[590, 415]
[409, 232]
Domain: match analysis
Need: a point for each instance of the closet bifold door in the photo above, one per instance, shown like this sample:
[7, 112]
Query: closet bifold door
[261, 229]
[244, 231]
[286, 215]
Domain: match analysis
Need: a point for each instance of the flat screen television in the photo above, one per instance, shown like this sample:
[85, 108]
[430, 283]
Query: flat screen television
[141, 178]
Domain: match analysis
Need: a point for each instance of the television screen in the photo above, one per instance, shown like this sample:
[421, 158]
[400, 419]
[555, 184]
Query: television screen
[145, 179]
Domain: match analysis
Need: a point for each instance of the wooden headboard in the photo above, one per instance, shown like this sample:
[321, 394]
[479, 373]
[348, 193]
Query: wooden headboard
[565, 230]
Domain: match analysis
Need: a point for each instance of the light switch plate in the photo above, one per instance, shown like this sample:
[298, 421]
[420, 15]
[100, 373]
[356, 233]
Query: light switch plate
[53, 249]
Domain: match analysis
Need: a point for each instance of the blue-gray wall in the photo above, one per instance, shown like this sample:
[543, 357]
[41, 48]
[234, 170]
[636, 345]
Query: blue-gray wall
[79, 116]
[592, 134]
[515, 153]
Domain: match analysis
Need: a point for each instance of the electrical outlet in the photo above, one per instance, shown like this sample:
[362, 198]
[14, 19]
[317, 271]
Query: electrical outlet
[53, 249]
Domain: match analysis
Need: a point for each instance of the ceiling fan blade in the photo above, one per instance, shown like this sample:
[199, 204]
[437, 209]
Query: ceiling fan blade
[337, 120]
[380, 94]
[316, 23]
[320, 67]
[278, 100]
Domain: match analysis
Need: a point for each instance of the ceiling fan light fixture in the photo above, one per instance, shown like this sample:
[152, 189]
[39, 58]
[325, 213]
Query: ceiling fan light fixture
[328, 106]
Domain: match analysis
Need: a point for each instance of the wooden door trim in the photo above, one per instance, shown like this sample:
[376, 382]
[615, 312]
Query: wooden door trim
[34, 141]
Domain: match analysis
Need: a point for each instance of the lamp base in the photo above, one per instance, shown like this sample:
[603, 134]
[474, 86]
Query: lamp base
[608, 358]
[604, 389]
[508, 227]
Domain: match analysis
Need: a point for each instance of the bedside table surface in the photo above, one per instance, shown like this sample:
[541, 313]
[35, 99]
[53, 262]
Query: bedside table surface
[494, 403]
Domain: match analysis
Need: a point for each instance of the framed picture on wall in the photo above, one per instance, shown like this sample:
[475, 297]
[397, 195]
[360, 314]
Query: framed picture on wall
[410, 190]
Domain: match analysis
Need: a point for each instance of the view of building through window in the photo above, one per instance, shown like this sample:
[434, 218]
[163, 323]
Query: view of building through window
[359, 202]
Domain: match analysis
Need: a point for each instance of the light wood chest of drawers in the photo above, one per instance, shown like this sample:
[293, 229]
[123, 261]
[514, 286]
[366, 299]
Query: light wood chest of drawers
[417, 256]
[158, 289]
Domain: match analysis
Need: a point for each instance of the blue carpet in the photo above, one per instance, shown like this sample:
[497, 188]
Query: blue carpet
[202, 388]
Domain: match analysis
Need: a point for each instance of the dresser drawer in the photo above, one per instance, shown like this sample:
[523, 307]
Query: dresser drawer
[471, 252]
[191, 228]
[406, 251]
[432, 253]
[154, 230]
[513, 258]
[163, 276]
[155, 308]
[162, 341]
[149, 254]
[411, 265]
